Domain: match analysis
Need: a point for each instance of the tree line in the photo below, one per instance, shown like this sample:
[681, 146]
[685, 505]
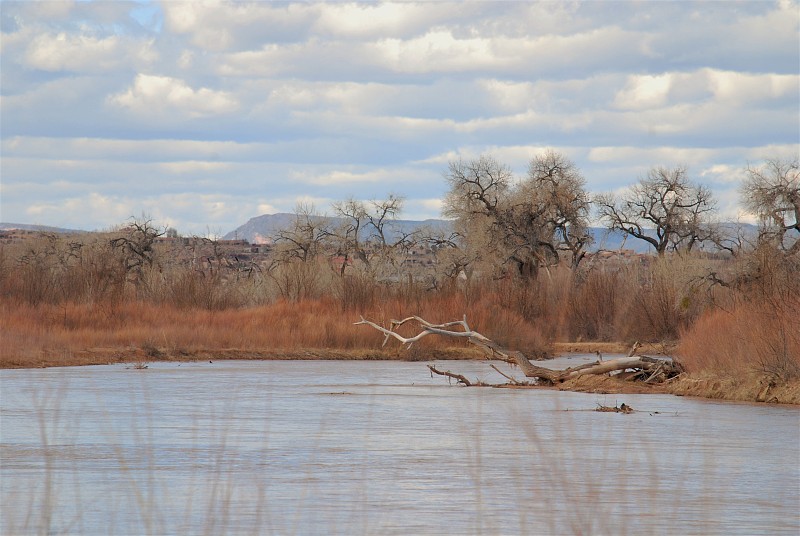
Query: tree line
[502, 227]
[506, 226]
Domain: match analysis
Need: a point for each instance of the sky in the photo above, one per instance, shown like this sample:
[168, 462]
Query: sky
[201, 116]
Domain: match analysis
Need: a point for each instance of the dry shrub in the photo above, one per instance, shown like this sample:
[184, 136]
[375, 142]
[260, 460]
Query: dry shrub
[297, 281]
[662, 297]
[752, 336]
[355, 292]
[510, 329]
[758, 329]
[194, 289]
[593, 305]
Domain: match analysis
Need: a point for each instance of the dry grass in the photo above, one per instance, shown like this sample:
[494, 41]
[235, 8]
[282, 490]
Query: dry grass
[73, 333]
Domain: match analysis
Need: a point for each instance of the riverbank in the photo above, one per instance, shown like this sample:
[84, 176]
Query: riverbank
[745, 388]
[146, 353]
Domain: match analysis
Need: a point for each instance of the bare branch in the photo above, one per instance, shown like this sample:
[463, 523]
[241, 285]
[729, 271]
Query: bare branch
[653, 366]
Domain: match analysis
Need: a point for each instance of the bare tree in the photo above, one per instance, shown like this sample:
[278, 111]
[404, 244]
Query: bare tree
[347, 237]
[665, 209]
[560, 186]
[479, 201]
[295, 266]
[381, 215]
[135, 246]
[527, 223]
[477, 187]
[772, 191]
[305, 239]
[366, 233]
[454, 258]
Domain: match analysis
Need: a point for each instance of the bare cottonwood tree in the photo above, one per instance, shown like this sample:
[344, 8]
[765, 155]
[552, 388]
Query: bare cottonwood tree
[772, 191]
[561, 187]
[527, 223]
[665, 209]
[134, 244]
[366, 233]
[348, 239]
[304, 239]
[478, 202]
[454, 258]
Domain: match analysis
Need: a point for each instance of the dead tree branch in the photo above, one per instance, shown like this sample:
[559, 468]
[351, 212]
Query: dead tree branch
[646, 368]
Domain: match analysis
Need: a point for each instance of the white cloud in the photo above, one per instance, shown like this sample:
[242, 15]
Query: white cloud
[439, 50]
[644, 92]
[516, 156]
[186, 60]
[218, 26]
[431, 205]
[691, 156]
[87, 53]
[744, 88]
[355, 178]
[728, 88]
[338, 177]
[93, 209]
[237, 26]
[510, 96]
[152, 95]
[266, 208]
[195, 167]
[723, 174]
[56, 9]
[379, 20]
[154, 150]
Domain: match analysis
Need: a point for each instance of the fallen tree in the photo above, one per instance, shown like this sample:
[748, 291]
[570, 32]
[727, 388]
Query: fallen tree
[633, 367]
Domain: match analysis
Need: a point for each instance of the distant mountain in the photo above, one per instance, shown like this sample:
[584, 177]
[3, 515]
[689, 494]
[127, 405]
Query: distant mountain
[39, 228]
[261, 229]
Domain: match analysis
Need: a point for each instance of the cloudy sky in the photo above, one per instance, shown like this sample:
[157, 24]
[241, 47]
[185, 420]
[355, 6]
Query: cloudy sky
[203, 115]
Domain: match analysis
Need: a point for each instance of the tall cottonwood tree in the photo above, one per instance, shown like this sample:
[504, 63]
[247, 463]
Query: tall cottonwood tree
[560, 186]
[524, 223]
[665, 209]
[772, 191]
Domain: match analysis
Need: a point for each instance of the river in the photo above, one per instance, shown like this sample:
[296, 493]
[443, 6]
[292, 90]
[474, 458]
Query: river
[347, 447]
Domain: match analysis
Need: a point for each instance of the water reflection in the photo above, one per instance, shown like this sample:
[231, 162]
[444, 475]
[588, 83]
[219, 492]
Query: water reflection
[374, 447]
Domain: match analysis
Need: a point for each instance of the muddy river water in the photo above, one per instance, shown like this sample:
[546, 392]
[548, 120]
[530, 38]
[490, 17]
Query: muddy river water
[323, 447]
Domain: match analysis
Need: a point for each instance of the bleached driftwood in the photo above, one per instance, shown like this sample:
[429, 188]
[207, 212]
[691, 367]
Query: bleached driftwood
[641, 367]
[493, 350]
